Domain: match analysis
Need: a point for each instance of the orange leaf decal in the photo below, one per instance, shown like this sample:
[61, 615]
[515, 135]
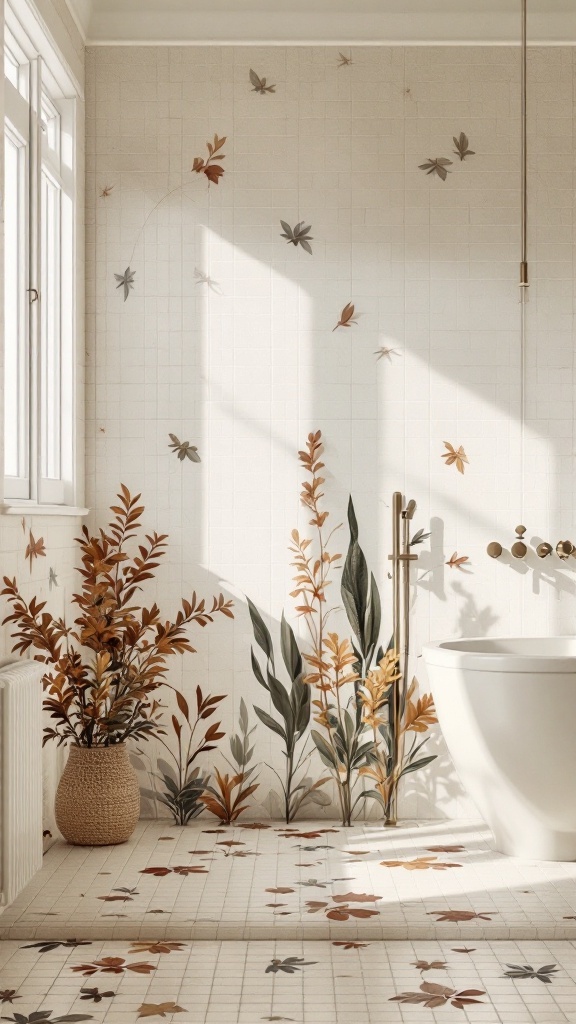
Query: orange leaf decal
[419, 864]
[455, 457]
[355, 897]
[160, 872]
[346, 317]
[457, 561]
[212, 170]
[159, 1009]
[35, 549]
[460, 915]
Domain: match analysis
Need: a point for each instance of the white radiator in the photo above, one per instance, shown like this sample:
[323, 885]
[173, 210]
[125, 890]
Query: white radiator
[20, 776]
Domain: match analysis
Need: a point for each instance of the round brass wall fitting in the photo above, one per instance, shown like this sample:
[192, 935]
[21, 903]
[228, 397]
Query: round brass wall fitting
[544, 549]
[519, 549]
[494, 549]
[564, 549]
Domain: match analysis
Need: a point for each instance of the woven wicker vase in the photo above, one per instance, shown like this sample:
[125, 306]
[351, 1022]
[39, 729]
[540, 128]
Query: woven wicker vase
[98, 798]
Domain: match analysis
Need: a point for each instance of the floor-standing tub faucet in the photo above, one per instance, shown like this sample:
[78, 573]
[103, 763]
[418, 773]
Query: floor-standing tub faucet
[400, 558]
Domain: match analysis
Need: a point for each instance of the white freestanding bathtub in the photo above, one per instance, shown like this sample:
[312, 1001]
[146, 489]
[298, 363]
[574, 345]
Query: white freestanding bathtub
[507, 709]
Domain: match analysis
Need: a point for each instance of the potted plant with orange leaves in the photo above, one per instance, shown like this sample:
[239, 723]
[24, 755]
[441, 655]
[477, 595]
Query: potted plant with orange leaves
[103, 673]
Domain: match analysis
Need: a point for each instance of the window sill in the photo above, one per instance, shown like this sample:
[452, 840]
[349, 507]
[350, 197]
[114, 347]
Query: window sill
[31, 508]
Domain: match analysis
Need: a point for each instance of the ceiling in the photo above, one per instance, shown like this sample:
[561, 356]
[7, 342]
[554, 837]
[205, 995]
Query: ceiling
[342, 22]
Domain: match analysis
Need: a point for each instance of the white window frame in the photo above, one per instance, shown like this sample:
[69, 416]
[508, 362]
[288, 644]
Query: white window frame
[42, 87]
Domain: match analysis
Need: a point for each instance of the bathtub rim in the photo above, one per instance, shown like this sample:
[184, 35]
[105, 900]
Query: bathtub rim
[447, 654]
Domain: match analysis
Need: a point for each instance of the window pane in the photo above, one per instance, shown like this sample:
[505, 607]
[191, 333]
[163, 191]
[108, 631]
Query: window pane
[16, 367]
[50, 332]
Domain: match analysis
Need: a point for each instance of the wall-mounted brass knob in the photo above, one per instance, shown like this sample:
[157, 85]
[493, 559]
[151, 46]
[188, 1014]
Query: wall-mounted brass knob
[494, 549]
[564, 549]
[520, 531]
[519, 549]
[544, 549]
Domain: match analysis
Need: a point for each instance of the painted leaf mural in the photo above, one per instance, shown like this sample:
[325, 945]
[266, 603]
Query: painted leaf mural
[437, 166]
[346, 317]
[126, 281]
[183, 449]
[260, 84]
[462, 146]
[298, 235]
[211, 166]
[455, 456]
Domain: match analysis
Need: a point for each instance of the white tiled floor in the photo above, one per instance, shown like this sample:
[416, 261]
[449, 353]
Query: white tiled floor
[245, 983]
[263, 883]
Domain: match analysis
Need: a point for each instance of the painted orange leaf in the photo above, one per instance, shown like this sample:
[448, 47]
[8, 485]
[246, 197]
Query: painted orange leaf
[351, 945]
[106, 191]
[113, 965]
[255, 825]
[115, 899]
[355, 897]
[346, 317]
[156, 871]
[463, 949]
[159, 1009]
[157, 947]
[430, 965]
[229, 842]
[212, 170]
[419, 864]
[344, 912]
[35, 549]
[460, 915]
[420, 714]
[457, 561]
[192, 870]
[454, 456]
[280, 890]
[309, 835]
[446, 849]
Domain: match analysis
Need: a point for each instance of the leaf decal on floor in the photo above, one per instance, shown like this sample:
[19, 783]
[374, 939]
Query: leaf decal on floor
[433, 996]
[419, 864]
[254, 825]
[41, 1016]
[430, 965]
[159, 872]
[115, 899]
[351, 945]
[463, 949]
[47, 947]
[229, 843]
[193, 869]
[157, 947]
[8, 995]
[339, 913]
[545, 974]
[159, 1009]
[308, 835]
[460, 915]
[446, 849]
[288, 966]
[355, 897]
[280, 890]
[113, 965]
[95, 994]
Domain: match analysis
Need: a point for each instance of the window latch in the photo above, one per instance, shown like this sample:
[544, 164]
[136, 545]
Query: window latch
[34, 294]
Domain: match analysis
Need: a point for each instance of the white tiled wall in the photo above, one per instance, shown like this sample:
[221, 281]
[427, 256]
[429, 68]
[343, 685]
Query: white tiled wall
[245, 371]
